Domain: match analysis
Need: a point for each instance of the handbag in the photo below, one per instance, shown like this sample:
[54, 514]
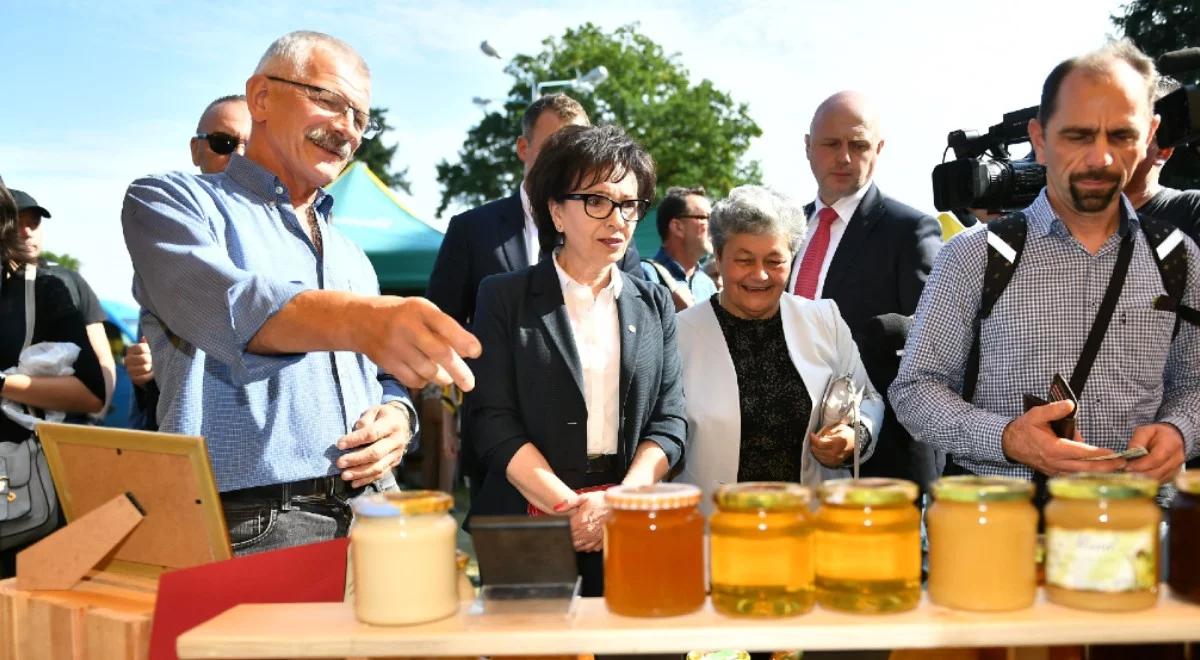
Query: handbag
[28, 503]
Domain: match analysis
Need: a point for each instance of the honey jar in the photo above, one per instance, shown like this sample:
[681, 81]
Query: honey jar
[761, 550]
[654, 550]
[1102, 541]
[982, 543]
[868, 546]
[402, 549]
[1184, 575]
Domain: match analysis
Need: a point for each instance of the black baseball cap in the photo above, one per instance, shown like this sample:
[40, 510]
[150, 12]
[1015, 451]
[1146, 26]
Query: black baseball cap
[25, 201]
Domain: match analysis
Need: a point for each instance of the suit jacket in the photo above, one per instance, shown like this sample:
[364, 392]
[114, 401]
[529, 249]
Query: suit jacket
[880, 267]
[529, 383]
[484, 241]
[818, 343]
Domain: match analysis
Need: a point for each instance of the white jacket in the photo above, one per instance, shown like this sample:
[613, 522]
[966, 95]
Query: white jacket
[819, 344]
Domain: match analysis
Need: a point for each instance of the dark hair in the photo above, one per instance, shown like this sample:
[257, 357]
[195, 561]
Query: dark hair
[224, 99]
[673, 205]
[1096, 62]
[563, 106]
[578, 157]
[12, 248]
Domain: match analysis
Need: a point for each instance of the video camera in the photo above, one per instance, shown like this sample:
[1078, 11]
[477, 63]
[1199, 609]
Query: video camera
[983, 174]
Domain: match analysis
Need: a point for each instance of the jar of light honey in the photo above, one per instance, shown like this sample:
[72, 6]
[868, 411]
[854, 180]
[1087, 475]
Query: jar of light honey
[1184, 575]
[761, 549]
[868, 546]
[1102, 541]
[654, 550]
[402, 549]
[982, 543]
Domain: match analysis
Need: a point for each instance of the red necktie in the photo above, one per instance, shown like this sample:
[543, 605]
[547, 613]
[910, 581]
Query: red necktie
[814, 256]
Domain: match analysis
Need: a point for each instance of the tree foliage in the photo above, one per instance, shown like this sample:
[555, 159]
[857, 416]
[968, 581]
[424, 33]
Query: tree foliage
[378, 157]
[62, 259]
[697, 134]
[1157, 27]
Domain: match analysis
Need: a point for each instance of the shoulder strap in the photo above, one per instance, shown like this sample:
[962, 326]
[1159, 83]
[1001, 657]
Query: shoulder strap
[1091, 347]
[665, 277]
[30, 303]
[1006, 241]
[1166, 244]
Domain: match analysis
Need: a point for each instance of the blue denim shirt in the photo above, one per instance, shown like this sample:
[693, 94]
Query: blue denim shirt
[215, 256]
[701, 285]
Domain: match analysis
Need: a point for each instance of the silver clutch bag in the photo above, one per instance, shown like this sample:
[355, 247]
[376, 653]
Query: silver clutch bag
[840, 405]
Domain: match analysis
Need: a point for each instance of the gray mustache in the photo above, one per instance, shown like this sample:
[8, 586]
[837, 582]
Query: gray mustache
[331, 141]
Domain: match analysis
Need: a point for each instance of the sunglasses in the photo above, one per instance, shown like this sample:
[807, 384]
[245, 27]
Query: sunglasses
[220, 143]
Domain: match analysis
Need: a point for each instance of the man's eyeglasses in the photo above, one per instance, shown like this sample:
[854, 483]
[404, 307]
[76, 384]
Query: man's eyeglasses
[220, 143]
[335, 103]
[601, 207]
[692, 217]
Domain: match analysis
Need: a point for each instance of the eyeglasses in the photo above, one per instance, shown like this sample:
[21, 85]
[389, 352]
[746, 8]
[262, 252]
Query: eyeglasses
[221, 143]
[692, 217]
[601, 207]
[335, 103]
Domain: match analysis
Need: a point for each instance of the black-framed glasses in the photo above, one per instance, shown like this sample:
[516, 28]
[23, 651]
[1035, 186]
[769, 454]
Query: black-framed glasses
[221, 143]
[601, 207]
[692, 217]
[335, 103]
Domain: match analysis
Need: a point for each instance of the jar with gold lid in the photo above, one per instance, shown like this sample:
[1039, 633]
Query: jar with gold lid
[761, 549]
[868, 545]
[982, 543]
[654, 550]
[1102, 541]
[1184, 574]
[405, 565]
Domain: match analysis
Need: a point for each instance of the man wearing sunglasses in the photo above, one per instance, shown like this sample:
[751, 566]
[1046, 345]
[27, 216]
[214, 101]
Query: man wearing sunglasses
[223, 129]
[270, 337]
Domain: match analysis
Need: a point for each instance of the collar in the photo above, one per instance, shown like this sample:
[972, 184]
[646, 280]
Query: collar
[846, 206]
[263, 183]
[570, 286]
[673, 267]
[1043, 220]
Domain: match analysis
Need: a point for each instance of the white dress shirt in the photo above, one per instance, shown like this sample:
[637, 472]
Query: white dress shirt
[531, 231]
[596, 329]
[845, 208]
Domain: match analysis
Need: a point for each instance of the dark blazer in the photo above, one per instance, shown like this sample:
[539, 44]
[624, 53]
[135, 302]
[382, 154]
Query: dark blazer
[484, 241]
[529, 383]
[880, 267]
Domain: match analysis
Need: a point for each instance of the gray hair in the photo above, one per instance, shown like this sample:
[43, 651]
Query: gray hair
[760, 211]
[291, 54]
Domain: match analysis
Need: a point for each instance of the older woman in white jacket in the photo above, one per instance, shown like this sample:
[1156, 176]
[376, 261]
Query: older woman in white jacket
[756, 360]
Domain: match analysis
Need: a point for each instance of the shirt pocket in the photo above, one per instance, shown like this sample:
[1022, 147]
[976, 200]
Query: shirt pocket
[1144, 336]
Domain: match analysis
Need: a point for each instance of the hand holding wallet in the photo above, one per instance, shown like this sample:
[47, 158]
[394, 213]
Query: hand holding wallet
[1060, 390]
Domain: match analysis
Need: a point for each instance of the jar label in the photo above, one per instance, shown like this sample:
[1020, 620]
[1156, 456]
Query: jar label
[1101, 561]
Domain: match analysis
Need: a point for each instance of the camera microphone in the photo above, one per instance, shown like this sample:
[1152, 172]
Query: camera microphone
[1178, 61]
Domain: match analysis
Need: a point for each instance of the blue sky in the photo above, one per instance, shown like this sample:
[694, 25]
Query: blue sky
[100, 93]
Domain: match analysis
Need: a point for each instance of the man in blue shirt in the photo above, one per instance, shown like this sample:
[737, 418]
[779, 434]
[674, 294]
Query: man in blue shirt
[269, 336]
[683, 228]
[1093, 127]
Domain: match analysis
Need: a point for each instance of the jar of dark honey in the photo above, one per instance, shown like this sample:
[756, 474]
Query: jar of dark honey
[1184, 572]
[654, 550]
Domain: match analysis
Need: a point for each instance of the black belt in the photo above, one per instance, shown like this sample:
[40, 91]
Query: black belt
[319, 487]
[602, 463]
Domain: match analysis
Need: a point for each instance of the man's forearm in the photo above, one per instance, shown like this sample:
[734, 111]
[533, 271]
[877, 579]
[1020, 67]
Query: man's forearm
[312, 321]
[108, 366]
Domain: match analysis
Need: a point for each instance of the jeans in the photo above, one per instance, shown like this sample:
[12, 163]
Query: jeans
[259, 522]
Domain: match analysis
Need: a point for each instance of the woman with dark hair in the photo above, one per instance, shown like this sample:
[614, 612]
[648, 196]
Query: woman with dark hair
[55, 319]
[578, 387]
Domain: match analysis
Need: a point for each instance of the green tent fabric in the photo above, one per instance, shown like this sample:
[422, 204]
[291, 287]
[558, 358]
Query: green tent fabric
[645, 236]
[401, 246]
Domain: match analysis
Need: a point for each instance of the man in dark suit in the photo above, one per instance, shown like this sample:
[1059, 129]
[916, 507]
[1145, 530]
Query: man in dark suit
[870, 254]
[500, 236]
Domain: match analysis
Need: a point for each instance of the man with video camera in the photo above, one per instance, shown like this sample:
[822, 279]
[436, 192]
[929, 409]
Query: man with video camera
[1085, 300]
[1179, 207]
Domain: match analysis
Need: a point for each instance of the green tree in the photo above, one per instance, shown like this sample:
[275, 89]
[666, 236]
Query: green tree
[65, 260]
[1157, 27]
[697, 134]
[378, 157]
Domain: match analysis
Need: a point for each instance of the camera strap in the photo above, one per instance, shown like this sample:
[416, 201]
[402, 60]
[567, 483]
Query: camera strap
[1006, 240]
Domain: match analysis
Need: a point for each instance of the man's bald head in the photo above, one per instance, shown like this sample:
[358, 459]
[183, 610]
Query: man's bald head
[842, 145]
[228, 119]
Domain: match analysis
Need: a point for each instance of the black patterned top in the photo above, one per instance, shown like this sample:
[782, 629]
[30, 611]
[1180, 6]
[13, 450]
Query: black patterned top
[775, 406]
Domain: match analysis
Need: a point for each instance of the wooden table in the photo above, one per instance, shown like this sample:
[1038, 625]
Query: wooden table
[329, 630]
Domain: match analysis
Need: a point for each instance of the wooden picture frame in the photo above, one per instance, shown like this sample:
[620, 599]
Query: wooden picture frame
[170, 477]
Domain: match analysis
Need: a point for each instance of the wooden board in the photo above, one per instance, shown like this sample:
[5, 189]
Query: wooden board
[105, 616]
[329, 630]
[170, 477]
